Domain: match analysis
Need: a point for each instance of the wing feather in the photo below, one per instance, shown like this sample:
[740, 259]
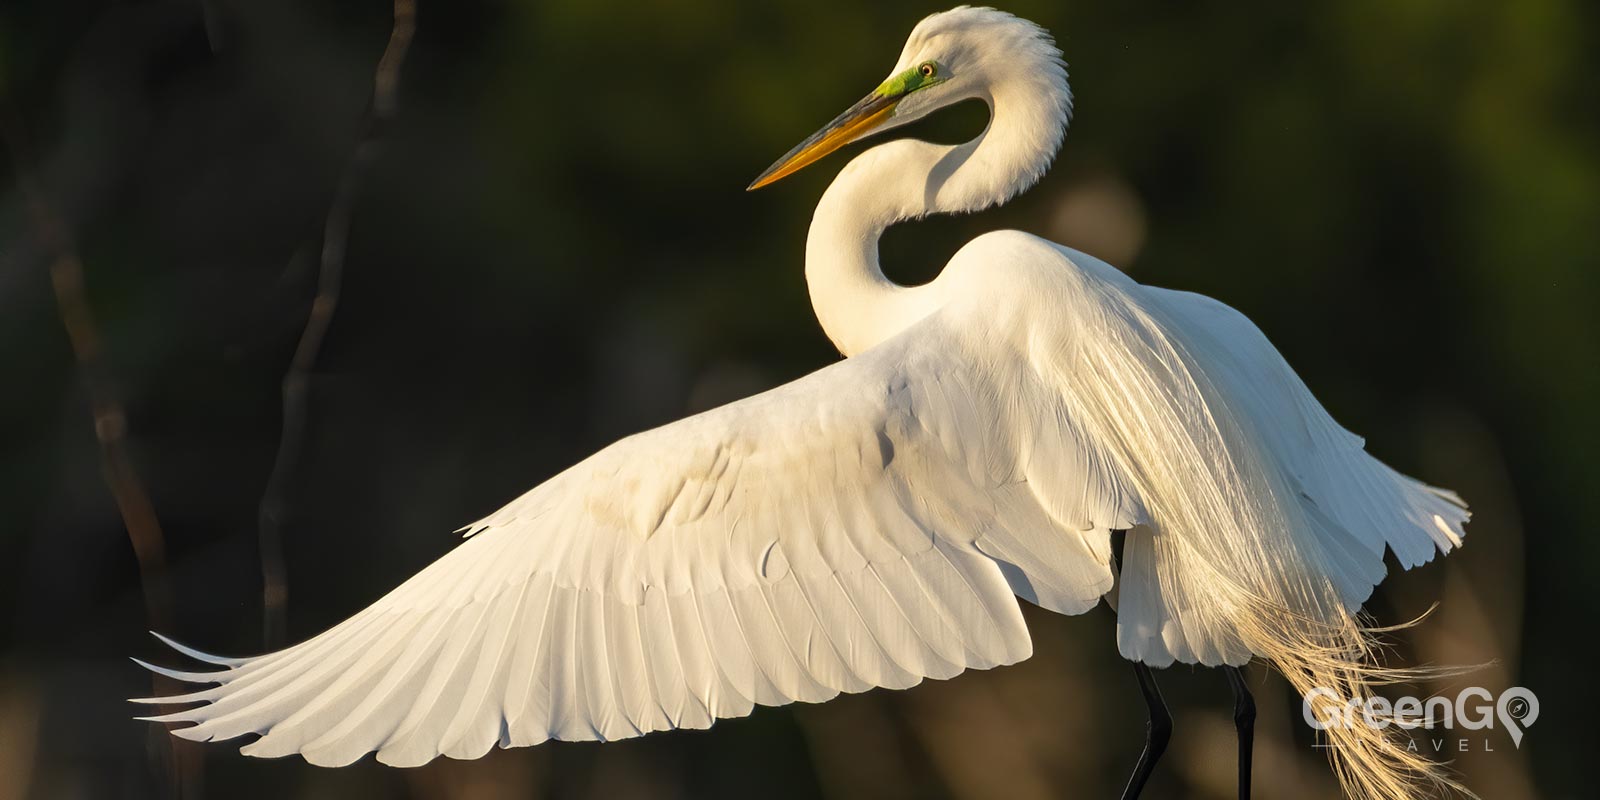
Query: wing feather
[1350, 506]
[868, 525]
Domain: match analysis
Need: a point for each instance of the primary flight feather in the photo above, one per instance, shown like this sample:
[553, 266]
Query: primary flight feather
[873, 523]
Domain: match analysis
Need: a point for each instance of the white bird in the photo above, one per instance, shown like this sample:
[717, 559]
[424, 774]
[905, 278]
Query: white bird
[875, 522]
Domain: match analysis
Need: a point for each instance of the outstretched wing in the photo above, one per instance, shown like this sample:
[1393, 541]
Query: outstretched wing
[1353, 506]
[867, 525]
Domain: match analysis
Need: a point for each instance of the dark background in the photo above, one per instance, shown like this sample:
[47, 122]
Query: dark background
[553, 248]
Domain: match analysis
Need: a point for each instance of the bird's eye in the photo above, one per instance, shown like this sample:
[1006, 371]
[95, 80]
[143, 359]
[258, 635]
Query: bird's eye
[928, 69]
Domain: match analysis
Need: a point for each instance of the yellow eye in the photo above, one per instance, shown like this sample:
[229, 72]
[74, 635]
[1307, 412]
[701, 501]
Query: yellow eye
[928, 70]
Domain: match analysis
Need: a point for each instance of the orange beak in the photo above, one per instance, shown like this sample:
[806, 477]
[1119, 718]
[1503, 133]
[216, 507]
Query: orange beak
[860, 120]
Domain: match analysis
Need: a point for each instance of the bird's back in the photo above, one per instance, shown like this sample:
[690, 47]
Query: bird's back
[1242, 476]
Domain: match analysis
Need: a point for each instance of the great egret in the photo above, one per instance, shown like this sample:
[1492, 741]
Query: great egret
[874, 523]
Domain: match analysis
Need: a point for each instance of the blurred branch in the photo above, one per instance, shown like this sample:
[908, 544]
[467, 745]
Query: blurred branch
[330, 276]
[110, 425]
[213, 25]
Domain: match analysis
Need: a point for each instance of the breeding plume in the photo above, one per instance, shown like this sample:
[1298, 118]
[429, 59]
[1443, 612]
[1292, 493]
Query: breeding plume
[875, 522]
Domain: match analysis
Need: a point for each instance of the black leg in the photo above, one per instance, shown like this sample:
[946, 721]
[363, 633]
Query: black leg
[1156, 734]
[1244, 721]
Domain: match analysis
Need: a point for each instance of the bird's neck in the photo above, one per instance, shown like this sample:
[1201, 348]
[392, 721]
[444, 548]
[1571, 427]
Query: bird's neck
[856, 303]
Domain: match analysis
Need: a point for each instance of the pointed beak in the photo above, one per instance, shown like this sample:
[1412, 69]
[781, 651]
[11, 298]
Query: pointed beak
[859, 120]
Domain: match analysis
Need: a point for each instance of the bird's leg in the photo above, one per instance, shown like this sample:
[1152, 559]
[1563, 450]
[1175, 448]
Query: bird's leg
[1156, 733]
[1244, 721]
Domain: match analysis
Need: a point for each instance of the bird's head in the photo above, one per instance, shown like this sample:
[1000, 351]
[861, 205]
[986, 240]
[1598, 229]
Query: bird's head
[951, 56]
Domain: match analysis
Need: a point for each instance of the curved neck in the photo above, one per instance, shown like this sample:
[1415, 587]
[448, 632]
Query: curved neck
[857, 305]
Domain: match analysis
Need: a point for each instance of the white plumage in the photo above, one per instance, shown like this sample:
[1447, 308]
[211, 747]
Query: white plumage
[874, 523]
